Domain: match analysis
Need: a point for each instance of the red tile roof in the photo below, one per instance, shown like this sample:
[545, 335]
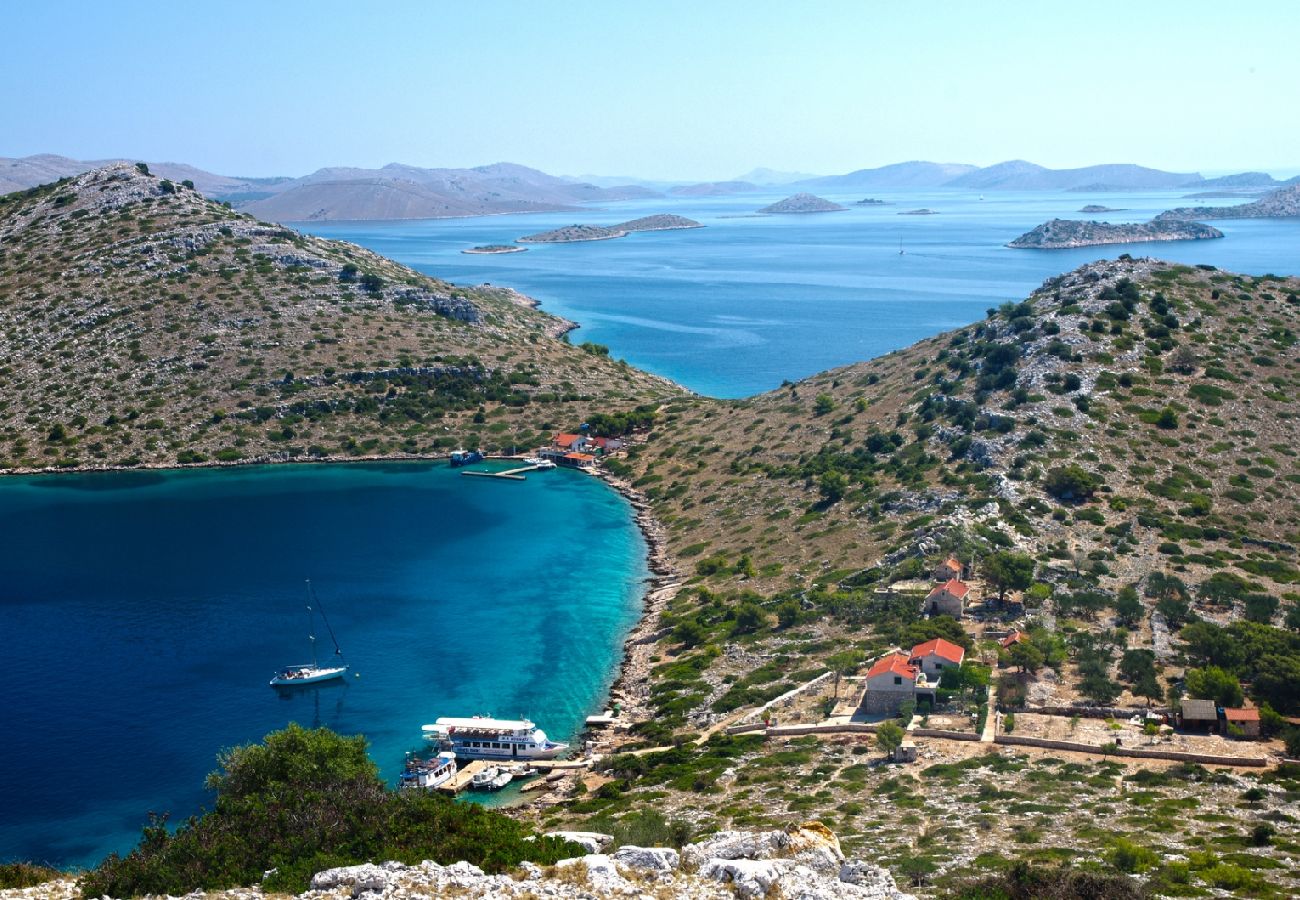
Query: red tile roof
[1014, 637]
[953, 563]
[953, 586]
[581, 457]
[1240, 715]
[940, 648]
[567, 440]
[895, 663]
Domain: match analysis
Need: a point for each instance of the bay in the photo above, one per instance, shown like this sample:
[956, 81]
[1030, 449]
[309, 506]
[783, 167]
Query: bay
[144, 612]
[737, 307]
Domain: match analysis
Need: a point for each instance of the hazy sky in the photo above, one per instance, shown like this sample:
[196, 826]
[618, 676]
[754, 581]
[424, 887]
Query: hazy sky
[697, 89]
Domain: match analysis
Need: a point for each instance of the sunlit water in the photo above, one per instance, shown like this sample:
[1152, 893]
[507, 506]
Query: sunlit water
[143, 614]
[735, 308]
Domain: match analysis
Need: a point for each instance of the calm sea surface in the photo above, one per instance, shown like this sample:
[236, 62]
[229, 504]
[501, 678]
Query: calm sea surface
[735, 308]
[143, 613]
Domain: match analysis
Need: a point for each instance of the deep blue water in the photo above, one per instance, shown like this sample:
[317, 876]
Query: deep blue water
[735, 308]
[142, 614]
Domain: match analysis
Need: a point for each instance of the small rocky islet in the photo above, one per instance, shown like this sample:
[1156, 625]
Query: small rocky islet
[801, 203]
[495, 248]
[574, 233]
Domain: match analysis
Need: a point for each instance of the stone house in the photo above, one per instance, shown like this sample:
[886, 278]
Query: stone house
[934, 656]
[1198, 715]
[1247, 720]
[890, 681]
[947, 599]
[949, 569]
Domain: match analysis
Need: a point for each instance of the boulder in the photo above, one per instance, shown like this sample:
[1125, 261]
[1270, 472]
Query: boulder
[873, 880]
[358, 880]
[591, 841]
[649, 859]
[734, 845]
[749, 878]
[814, 845]
[602, 874]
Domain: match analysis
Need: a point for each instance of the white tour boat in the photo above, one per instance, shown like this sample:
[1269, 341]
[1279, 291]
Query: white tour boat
[540, 462]
[483, 737]
[312, 672]
[427, 774]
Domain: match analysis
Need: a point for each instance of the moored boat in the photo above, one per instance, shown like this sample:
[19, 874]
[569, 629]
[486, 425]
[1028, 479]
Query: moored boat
[482, 781]
[465, 457]
[483, 737]
[540, 462]
[427, 774]
[312, 672]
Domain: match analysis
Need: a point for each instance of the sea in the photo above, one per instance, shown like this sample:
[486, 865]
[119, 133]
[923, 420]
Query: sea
[143, 613]
[747, 302]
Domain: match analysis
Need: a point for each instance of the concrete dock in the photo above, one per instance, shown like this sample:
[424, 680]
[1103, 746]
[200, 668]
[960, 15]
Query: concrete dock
[511, 474]
[460, 781]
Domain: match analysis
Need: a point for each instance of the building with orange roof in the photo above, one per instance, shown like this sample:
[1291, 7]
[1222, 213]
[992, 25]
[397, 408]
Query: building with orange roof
[933, 656]
[947, 599]
[1247, 720]
[1014, 637]
[949, 569]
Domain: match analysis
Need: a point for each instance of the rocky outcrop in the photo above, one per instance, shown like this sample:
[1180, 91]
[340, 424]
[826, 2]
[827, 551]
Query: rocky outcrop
[1063, 233]
[801, 203]
[801, 862]
[1284, 203]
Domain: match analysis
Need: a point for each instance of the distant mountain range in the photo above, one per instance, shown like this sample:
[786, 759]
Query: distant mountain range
[398, 191]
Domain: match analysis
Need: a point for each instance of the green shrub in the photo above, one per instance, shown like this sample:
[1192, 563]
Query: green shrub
[302, 801]
[24, 875]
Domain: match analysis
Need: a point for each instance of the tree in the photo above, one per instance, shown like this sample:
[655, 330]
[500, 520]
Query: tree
[832, 485]
[1260, 608]
[1135, 664]
[1009, 571]
[1025, 655]
[889, 736]
[1176, 610]
[1072, 483]
[690, 633]
[1213, 683]
[1292, 618]
[1127, 606]
[749, 618]
[1277, 682]
[1167, 420]
[1147, 685]
[787, 612]
[823, 404]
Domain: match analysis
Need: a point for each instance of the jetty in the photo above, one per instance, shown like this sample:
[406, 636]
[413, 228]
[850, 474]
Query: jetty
[460, 781]
[510, 474]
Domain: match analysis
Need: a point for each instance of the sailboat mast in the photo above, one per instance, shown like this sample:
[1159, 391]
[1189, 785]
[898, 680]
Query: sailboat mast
[311, 625]
[338, 651]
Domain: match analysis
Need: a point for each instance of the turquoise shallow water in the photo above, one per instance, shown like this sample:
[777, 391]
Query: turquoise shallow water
[143, 613]
[734, 308]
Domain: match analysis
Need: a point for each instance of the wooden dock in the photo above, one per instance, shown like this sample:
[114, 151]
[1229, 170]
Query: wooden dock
[511, 474]
[460, 781]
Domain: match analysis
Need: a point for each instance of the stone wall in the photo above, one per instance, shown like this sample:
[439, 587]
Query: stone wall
[1208, 759]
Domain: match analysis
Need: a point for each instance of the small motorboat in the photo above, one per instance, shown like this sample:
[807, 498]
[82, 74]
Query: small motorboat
[465, 457]
[482, 781]
[540, 462]
[503, 778]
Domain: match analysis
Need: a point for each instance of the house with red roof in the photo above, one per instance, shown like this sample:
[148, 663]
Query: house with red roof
[1247, 720]
[947, 599]
[1014, 637]
[933, 656]
[577, 460]
[606, 444]
[575, 443]
[890, 681]
[949, 569]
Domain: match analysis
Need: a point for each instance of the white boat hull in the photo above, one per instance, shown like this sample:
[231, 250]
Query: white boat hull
[299, 675]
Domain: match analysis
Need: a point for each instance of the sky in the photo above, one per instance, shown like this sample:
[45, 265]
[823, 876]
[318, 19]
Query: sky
[669, 90]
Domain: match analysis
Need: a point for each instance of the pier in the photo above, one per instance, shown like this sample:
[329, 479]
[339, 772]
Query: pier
[460, 781]
[511, 474]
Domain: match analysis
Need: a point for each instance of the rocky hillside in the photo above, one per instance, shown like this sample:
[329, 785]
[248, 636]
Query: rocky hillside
[141, 323]
[1283, 203]
[801, 203]
[662, 222]
[1062, 233]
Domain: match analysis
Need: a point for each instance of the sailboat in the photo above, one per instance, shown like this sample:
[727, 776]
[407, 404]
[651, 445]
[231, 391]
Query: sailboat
[313, 672]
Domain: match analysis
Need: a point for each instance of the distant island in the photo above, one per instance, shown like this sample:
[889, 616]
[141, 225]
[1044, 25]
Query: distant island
[919, 212]
[801, 203]
[869, 201]
[1094, 208]
[495, 248]
[574, 233]
[1283, 203]
[1060, 234]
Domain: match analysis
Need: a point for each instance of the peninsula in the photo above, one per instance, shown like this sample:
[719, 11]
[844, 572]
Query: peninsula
[801, 203]
[1283, 203]
[1059, 234]
[575, 233]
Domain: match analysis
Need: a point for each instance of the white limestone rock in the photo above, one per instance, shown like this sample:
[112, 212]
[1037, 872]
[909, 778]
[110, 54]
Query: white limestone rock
[591, 841]
[649, 859]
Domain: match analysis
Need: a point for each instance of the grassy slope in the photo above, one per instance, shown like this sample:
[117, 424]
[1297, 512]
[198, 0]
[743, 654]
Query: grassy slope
[145, 326]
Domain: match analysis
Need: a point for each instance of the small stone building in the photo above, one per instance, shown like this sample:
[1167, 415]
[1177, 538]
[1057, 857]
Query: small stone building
[1247, 720]
[947, 599]
[949, 569]
[890, 681]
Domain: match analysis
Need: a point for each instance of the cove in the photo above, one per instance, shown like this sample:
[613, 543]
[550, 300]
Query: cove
[144, 612]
